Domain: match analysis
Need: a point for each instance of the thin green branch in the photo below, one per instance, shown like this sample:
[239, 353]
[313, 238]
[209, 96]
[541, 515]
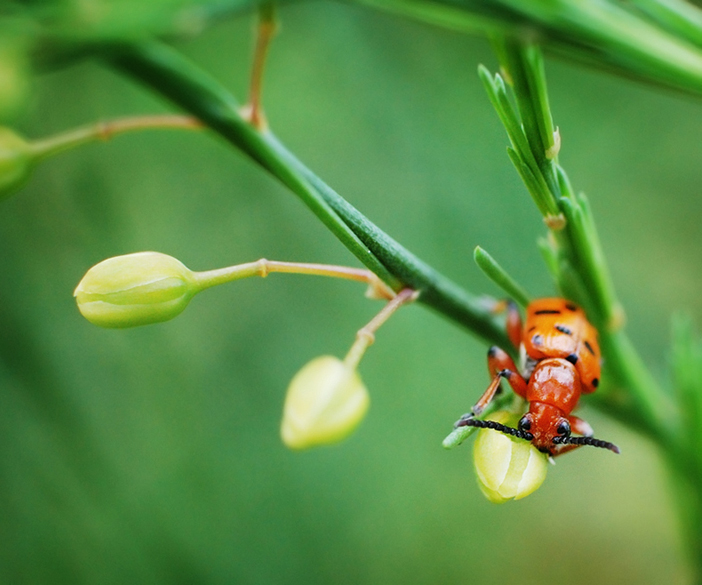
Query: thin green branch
[585, 248]
[523, 63]
[499, 276]
[607, 34]
[105, 130]
[687, 377]
[521, 152]
[678, 17]
[172, 76]
[656, 41]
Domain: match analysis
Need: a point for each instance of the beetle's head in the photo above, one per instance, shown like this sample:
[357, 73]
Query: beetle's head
[551, 431]
[553, 438]
[544, 422]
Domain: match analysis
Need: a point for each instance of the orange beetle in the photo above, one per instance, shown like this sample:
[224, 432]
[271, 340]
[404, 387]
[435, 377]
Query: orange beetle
[561, 361]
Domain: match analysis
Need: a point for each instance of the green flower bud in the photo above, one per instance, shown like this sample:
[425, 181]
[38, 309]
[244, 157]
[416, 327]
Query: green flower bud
[325, 402]
[16, 161]
[136, 289]
[508, 468]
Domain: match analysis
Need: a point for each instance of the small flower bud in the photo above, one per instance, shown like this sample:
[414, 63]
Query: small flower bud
[325, 402]
[16, 161]
[507, 468]
[136, 289]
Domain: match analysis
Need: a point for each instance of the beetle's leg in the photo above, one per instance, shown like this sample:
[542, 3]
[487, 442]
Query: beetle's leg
[561, 449]
[580, 427]
[500, 365]
[485, 399]
[513, 323]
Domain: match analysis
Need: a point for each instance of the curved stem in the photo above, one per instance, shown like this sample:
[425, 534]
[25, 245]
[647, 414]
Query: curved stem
[365, 337]
[52, 145]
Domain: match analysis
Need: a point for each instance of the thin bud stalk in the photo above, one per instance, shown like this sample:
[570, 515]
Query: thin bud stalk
[266, 30]
[105, 130]
[264, 267]
[366, 335]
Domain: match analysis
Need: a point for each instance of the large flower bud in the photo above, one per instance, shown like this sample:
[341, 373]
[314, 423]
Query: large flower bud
[325, 402]
[508, 468]
[136, 289]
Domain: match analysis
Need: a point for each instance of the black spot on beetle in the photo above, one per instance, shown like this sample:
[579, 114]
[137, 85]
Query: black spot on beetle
[537, 339]
[572, 358]
[595, 383]
[531, 329]
[589, 347]
[571, 307]
[492, 352]
[564, 329]
[547, 312]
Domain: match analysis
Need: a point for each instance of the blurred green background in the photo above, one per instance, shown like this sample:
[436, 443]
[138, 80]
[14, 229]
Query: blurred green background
[152, 455]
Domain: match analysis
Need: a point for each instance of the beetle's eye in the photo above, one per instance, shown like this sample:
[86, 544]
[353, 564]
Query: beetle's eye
[563, 428]
[524, 423]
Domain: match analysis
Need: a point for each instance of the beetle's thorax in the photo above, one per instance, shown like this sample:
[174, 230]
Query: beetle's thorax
[553, 393]
[554, 382]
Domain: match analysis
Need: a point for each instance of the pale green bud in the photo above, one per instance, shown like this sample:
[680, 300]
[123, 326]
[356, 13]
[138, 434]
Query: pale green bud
[508, 468]
[136, 289]
[325, 402]
[16, 161]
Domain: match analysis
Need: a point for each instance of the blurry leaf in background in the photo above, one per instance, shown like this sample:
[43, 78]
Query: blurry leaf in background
[153, 455]
[14, 73]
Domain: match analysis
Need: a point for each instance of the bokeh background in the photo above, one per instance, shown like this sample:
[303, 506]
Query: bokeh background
[152, 455]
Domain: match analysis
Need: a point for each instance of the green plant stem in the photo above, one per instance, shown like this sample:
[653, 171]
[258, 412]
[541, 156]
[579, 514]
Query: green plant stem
[685, 454]
[499, 276]
[676, 16]
[521, 153]
[605, 34]
[651, 40]
[524, 64]
[631, 395]
[52, 145]
[169, 74]
[365, 337]
[686, 485]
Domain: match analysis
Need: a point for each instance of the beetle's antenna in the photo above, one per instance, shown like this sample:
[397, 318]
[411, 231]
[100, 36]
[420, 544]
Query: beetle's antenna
[586, 441]
[495, 426]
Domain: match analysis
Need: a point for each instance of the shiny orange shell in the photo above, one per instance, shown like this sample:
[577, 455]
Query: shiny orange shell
[557, 328]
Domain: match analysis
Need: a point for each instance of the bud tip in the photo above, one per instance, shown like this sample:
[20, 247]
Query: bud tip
[325, 402]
